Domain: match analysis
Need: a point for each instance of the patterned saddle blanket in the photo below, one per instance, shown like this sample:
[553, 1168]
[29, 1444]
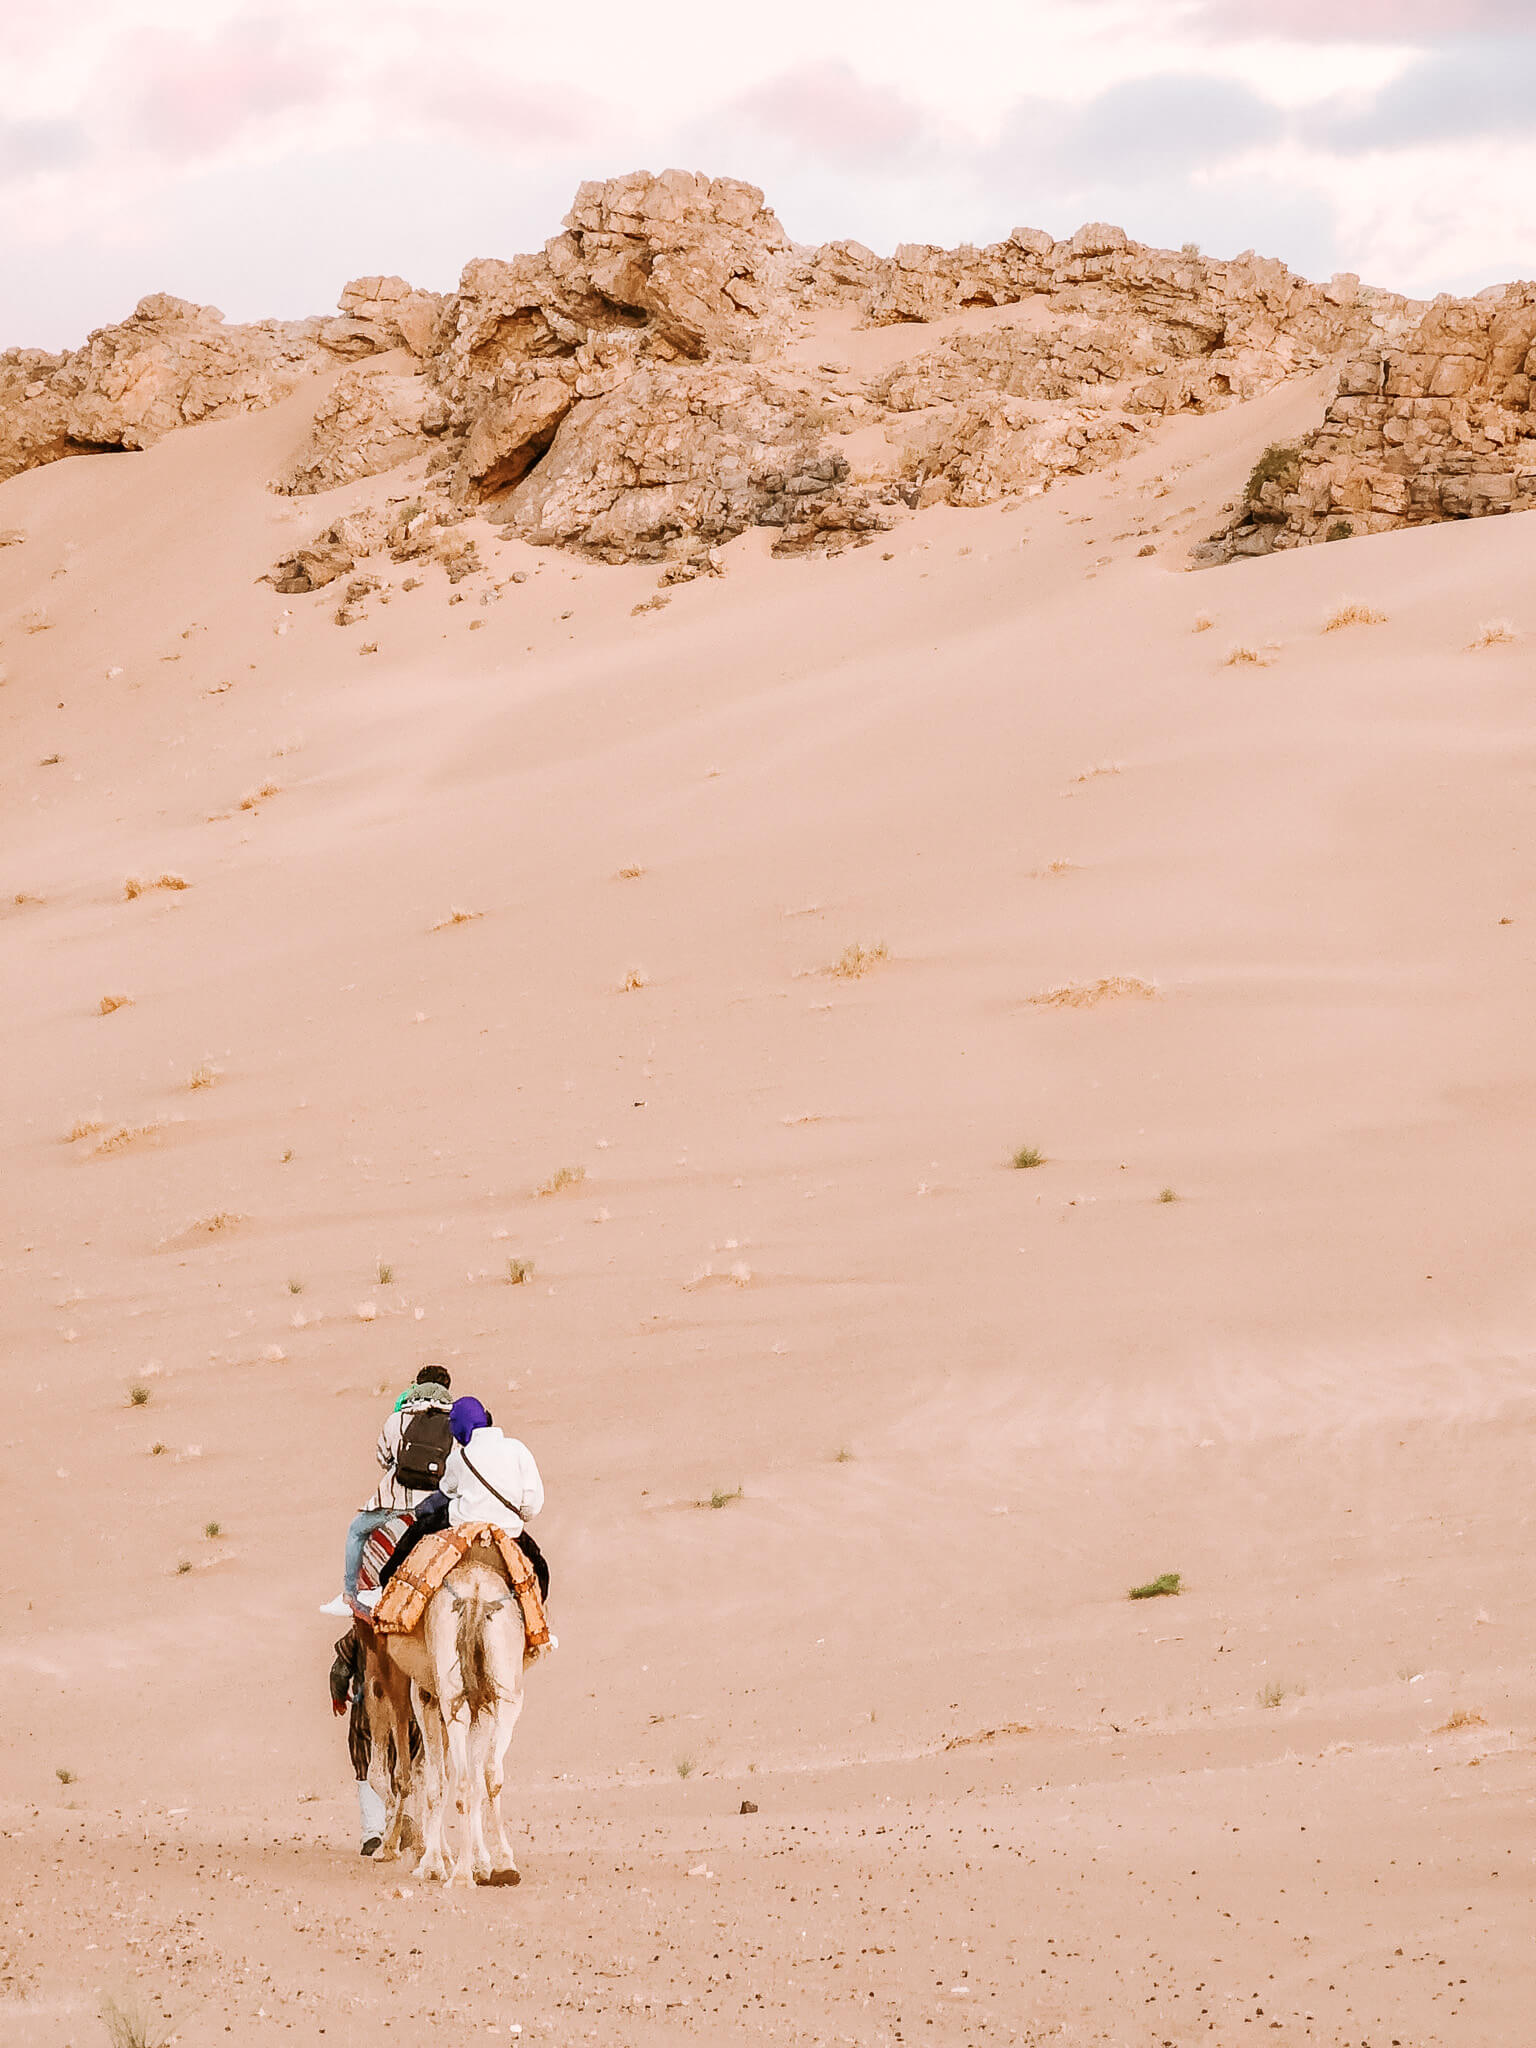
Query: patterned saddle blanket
[412, 1586]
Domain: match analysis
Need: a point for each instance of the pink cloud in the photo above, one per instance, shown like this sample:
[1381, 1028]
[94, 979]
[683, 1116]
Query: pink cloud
[187, 99]
[828, 110]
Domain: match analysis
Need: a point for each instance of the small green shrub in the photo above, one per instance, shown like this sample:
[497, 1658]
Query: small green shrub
[138, 1395]
[1156, 1589]
[212, 1529]
[719, 1499]
[1273, 1693]
[1279, 464]
[1027, 1156]
[1168, 1195]
[1341, 529]
[157, 1450]
[386, 1273]
[183, 1567]
[685, 1767]
[64, 1775]
[295, 1286]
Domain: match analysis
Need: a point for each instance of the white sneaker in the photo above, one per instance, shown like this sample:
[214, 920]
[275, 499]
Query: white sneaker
[338, 1606]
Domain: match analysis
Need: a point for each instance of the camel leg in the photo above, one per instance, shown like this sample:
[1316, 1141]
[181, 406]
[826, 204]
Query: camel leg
[389, 1715]
[503, 1863]
[434, 1784]
[464, 1796]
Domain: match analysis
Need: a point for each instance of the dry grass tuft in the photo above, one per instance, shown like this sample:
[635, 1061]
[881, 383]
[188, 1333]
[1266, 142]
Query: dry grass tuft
[1082, 995]
[1462, 1717]
[138, 1395]
[214, 1224]
[562, 1178]
[1100, 768]
[1026, 1157]
[255, 797]
[1492, 633]
[110, 1003]
[1353, 615]
[456, 916]
[984, 1735]
[1203, 623]
[632, 873]
[1241, 657]
[121, 1137]
[203, 1076]
[856, 961]
[83, 1127]
[519, 1272]
[1052, 867]
[635, 977]
[127, 2026]
[135, 887]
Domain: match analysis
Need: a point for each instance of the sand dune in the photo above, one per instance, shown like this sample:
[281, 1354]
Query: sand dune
[967, 1406]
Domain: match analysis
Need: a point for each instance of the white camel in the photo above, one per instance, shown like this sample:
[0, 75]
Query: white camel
[461, 1671]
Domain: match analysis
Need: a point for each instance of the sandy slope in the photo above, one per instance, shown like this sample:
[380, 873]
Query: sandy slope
[1306, 1383]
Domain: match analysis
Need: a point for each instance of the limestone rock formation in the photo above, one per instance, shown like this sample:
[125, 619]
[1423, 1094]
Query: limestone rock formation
[646, 386]
[1439, 426]
[168, 365]
[368, 421]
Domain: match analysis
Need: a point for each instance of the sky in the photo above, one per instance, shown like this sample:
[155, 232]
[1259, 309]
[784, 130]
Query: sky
[256, 154]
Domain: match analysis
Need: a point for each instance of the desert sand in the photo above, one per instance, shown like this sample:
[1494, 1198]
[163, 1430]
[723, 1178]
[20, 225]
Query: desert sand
[951, 1409]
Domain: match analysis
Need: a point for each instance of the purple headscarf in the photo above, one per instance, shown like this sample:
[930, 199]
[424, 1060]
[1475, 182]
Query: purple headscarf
[466, 1416]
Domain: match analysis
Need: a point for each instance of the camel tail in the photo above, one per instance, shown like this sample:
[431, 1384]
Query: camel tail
[479, 1689]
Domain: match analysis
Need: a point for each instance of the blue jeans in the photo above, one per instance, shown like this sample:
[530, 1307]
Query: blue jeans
[364, 1522]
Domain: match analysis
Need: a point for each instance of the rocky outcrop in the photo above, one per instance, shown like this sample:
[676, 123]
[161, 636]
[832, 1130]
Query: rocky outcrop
[1438, 427]
[172, 363]
[369, 420]
[645, 386]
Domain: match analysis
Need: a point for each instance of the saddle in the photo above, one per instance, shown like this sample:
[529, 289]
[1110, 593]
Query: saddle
[412, 1586]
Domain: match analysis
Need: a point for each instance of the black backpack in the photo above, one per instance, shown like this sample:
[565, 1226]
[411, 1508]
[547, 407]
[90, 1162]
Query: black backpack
[425, 1442]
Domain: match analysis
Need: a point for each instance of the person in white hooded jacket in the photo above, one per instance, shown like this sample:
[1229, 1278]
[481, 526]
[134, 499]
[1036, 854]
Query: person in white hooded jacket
[490, 1477]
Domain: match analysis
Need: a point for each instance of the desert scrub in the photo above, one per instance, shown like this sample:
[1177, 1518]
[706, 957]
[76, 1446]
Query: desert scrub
[519, 1272]
[561, 1179]
[855, 961]
[1082, 995]
[1162, 1587]
[203, 1076]
[138, 1395]
[386, 1273]
[1353, 615]
[720, 1498]
[1167, 1194]
[1492, 633]
[1027, 1156]
[456, 915]
[1279, 464]
[1462, 1717]
[110, 1003]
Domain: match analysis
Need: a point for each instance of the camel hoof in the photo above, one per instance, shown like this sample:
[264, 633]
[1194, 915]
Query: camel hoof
[511, 1875]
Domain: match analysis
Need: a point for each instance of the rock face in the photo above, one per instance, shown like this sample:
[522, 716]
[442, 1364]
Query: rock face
[169, 364]
[648, 384]
[1439, 426]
